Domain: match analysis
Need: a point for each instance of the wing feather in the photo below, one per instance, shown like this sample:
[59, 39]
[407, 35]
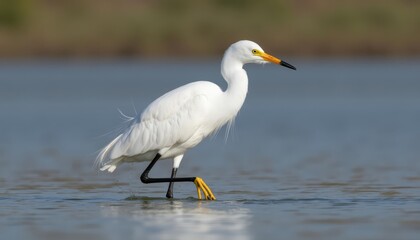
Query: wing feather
[170, 120]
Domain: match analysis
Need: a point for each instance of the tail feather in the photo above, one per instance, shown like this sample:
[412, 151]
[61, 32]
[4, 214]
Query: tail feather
[114, 153]
[104, 160]
[110, 167]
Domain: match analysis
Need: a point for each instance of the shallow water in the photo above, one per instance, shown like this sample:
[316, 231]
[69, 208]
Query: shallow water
[329, 151]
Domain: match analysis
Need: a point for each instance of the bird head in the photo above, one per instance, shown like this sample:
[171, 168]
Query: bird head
[249, 52]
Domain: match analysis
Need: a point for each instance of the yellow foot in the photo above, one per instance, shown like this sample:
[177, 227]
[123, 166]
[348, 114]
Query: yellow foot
[201, 185]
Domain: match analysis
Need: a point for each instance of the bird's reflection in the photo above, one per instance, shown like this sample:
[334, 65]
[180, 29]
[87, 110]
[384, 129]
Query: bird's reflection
[163, 219]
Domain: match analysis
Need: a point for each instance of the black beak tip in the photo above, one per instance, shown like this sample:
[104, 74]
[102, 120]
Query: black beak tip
[285, 64]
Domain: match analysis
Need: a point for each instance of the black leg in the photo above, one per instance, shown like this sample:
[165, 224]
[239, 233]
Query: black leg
[145, 175]
[169, 193]
[199, 183]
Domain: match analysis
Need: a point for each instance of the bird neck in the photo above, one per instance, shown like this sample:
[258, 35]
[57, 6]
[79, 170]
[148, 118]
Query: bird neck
[237, 80]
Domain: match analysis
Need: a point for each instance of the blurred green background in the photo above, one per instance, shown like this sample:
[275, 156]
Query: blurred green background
[156, 28]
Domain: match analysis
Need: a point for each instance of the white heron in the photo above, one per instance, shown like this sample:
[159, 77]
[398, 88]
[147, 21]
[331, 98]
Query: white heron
[183, 117]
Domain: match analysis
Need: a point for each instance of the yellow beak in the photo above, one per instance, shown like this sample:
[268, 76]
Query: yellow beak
[275, 60]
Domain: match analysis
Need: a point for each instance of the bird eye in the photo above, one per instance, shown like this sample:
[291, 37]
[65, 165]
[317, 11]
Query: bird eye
[254, 51]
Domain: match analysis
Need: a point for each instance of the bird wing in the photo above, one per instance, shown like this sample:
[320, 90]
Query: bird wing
[170, 120]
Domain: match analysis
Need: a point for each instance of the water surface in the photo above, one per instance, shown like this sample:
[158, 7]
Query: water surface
[329, 151]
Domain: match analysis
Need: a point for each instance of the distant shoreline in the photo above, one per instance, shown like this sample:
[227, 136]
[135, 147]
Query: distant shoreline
[188, 28]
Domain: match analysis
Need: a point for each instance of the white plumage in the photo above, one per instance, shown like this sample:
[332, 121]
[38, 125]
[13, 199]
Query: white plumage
[183, 117]
[170, 125]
